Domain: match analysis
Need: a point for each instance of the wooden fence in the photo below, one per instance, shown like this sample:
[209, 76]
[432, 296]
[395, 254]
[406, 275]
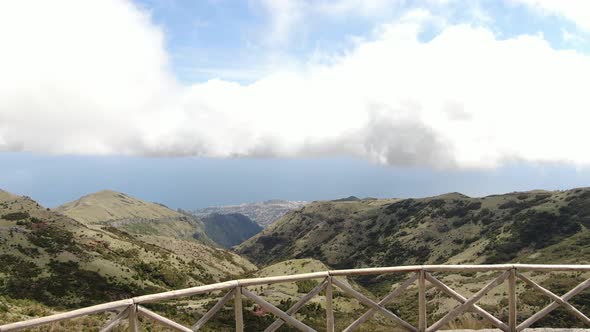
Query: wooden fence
[130, 309]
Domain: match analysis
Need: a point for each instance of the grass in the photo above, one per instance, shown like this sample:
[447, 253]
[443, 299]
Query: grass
[62, 264]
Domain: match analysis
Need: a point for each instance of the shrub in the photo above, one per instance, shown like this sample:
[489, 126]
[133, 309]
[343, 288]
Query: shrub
[306, 286]
[15, 216]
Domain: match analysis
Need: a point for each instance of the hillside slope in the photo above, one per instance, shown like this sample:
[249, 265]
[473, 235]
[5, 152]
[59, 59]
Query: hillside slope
[229, 230]
[450, 228]
[133, 215]
[108, 205]
[55, 260]
[263, 213]
[529, 227]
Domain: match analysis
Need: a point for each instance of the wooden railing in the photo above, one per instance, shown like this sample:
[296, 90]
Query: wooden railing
[130, 309]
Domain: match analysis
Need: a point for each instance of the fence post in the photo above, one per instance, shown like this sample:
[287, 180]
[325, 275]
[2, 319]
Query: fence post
[238, 310]
[329, 309]
[512, 300]
[421, 301]
[133, 322]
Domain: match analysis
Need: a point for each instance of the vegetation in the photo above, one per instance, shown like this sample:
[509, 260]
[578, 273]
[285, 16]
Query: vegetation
[536, 227]
[50, 262]
[450, 228]
[59, 263]
[134, 216]
[229, 230]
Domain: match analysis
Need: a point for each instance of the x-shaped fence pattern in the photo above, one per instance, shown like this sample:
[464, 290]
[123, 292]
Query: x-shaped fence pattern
[129, 310]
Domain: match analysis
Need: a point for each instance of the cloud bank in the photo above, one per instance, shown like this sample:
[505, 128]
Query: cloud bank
[93, 78]
[576, 11]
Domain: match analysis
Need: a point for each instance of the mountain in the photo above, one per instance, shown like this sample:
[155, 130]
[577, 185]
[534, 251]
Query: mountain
[347, 199]
[59, 262]
[133, 215]
[51, 261]
[450, 228]
[263, 213]
[229, 230]
[108, 205]
[542, 227]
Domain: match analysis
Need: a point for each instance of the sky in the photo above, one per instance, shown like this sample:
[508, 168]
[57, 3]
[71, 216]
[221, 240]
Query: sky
[198, 103]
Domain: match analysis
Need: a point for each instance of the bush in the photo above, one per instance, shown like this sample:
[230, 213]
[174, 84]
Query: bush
[15, 216]
[306, 286]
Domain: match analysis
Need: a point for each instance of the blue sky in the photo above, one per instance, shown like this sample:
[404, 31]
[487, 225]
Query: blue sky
[228, 39]
[198, 103]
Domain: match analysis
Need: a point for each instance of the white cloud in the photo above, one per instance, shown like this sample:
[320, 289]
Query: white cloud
[92, 78]
[577, 11]
[286, 16]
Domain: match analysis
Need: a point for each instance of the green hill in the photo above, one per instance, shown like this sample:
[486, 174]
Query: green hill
[133, 215]
[57, 262]
[450, 228]
[528, 227]
[60, 263]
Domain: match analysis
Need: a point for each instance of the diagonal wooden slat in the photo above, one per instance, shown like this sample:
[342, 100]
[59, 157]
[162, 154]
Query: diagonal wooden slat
[302, 301]
[469, 303]
[115, 321]
[162, 320]
[27, 324]
[276, 311]
[367, 315]
[555, 298]
[531, 320]
[365, 300]
[132, 303]
[446, 289]
[213, 310]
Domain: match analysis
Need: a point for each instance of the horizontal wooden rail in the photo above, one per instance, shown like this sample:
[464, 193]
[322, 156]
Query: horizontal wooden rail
[129, 309]
[96, 309]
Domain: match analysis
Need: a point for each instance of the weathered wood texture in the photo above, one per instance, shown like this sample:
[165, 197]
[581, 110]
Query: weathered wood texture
[469, 303]
[421, 301]
[162, 320]
[238, 311]
[512, 301]
[329, 307]
[115, 321]
[277, 312]
[278, 323]
[383, 302]
[209, 314]
[132, 317]
[366, 301]
[129, 309]
[447, 290]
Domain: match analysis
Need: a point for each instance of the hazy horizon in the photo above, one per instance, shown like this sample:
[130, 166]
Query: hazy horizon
[191, 183]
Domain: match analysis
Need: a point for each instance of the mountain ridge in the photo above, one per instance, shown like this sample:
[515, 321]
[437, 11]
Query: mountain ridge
[108, 207]
[423, 230]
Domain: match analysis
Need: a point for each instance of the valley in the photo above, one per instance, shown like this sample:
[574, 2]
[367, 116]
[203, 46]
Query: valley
[109, 245]
[229, 230]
